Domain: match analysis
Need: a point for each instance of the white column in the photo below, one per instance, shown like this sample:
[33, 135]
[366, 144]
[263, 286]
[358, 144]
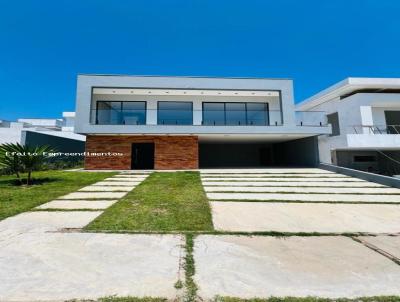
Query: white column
[197, 112]
[366, 119]
[151, 112]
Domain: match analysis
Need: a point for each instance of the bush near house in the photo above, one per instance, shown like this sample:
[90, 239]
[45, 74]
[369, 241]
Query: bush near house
[17, 159]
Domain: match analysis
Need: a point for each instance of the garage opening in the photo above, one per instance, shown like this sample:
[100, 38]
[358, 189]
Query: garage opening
[294, 153]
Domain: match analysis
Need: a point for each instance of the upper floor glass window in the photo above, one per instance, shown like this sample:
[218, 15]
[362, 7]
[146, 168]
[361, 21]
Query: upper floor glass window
[235, 113]
[120, 113]
[175, 113]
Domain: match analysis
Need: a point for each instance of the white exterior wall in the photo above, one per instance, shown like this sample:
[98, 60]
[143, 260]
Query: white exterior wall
[152, 101]
[361, 109]
[84, 105]
[10, 135]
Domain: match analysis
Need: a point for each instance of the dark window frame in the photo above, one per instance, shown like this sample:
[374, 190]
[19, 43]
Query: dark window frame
[335, 127]
[121, 110]
[183, 102]
[364, 159]
[266, 112]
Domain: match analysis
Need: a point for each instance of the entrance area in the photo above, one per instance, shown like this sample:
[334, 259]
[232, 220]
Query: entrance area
[142, 156]
[293, 153]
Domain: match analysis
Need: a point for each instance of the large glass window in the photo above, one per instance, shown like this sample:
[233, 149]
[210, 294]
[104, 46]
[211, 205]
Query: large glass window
[175, 113]
[214, 113]
[121, 113]
[237, 113]
[257, 114]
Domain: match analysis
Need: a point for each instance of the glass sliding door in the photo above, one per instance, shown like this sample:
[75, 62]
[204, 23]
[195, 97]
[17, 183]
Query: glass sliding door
[257, 114]
[120, 113]
[134, 113]
[175, 113]
[213, 113]
[108, 113]
[236, 114]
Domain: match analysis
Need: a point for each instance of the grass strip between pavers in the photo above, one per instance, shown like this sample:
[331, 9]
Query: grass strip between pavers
[165, 201]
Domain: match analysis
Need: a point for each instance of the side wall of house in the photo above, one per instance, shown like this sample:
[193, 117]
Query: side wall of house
[171, 152]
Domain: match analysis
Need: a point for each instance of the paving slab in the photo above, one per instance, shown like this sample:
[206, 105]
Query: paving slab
[41, 221]
[77, 204]
[294, 184]
[98, 188]
[362, 198]
[293, 175]
[129, 176]
[124, 179]
[302, 190]
[117, 183]
[285, 179]
[268, 170]
[64, 266]
[332, 267]
[389, 244]
[93, 195]
[146, 173]
[305, 217]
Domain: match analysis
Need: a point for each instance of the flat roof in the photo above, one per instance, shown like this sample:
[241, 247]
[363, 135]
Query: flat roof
[175, 76]
[347, 86]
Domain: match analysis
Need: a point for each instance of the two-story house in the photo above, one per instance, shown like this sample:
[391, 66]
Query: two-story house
[146, 122]
[365, 117]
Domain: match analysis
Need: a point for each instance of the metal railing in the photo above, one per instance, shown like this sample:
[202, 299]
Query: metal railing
[186, 117]
[203, 118]
[311, 118]
[376, 129]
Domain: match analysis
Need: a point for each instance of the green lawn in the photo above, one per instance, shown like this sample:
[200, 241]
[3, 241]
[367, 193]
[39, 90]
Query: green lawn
[50, 185]
[165, 201]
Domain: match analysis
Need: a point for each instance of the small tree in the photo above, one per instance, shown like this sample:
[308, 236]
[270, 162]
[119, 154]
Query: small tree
[18, 158]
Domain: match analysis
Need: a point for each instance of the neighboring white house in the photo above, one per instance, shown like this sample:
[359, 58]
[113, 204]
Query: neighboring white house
[34, 131]
[365, 118]
[191, 122]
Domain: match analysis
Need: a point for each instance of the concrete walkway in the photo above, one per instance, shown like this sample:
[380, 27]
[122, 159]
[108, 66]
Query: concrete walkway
[294, 200]
[40, 262]
[100, 195]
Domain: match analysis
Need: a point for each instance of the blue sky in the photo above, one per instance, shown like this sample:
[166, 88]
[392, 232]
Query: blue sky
[45, 44]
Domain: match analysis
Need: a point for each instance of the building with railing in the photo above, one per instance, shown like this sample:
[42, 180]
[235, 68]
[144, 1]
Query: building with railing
[191, 122]
[55, 132]
[365, 117]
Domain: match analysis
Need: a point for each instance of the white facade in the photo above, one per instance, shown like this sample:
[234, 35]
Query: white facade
[361, 104]
[13, 132]
[283, 122]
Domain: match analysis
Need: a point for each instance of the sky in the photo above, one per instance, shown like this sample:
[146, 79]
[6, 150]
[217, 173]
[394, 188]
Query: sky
[45, 44]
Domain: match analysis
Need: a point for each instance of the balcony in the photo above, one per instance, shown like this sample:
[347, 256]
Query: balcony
[311, 118]
[373, 136]
[186, 117]
[205, 118]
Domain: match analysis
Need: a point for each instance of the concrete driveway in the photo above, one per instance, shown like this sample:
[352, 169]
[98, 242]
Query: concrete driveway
[299, 200]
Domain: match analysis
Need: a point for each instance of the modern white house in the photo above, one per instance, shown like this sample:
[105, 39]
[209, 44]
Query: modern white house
[58, 133]
[365, 118]
[191, 122]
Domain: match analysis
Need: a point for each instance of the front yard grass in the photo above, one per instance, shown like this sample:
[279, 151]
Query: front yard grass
[49, 185]
[165, 201]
